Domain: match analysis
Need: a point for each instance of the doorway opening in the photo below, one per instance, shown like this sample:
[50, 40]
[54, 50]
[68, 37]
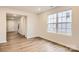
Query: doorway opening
[16, 24]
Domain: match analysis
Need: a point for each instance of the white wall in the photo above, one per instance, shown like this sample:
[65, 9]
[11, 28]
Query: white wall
[2, 26]
[32, 26]
[70, 41]
[12, 25]
[22, 25]
[31, 22]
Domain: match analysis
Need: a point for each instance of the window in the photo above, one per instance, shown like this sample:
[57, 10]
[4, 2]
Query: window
[60, 22]
[52, 23]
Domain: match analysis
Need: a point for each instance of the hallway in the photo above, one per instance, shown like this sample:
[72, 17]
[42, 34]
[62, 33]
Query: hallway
[17, 42]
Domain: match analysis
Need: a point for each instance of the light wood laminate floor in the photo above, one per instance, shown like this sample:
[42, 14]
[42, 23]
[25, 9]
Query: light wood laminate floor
[18, 43]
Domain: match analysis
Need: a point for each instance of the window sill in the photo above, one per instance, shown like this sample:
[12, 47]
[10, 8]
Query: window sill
[66, 34]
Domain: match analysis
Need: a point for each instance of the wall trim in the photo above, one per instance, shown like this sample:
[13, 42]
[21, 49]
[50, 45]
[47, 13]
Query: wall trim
[73, 50]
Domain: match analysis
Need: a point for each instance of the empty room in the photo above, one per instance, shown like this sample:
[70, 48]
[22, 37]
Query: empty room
[39, 29]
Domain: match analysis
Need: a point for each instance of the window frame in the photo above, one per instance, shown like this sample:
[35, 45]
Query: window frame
[53, 23]
[66, 22]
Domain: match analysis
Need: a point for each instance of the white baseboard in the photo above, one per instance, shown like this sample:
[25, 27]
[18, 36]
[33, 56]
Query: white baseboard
[3, 41]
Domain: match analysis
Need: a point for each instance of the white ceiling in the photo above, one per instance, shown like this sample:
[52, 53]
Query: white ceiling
[32, 9]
